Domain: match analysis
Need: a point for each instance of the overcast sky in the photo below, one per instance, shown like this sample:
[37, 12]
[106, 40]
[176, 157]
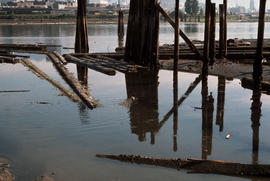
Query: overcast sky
[231, 3]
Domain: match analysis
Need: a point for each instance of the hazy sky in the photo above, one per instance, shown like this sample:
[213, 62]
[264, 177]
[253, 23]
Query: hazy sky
[231, 3]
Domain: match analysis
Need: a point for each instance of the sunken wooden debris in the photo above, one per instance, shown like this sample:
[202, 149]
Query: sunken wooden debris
[43, 75]
[197, 165]
[73, 82]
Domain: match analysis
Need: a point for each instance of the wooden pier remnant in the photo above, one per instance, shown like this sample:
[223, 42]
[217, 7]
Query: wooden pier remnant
[142, 44]
[121, 31]
[225, 6]
[81, 41]
[197, 165]
[212, 51]
[258, 61]
[207, 31]
[176, 38]
[221, 31]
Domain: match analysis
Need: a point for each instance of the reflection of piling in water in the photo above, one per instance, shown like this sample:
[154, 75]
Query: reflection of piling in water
[81, 41]
[175, 112]
[143, 85]
[221, 102]
[207, 118]
[255, 119]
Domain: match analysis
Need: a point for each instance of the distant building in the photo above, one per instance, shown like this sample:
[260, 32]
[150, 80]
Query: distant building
[238, 10]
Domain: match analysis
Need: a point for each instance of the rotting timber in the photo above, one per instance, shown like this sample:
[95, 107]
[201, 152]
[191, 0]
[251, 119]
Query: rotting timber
[197, 165]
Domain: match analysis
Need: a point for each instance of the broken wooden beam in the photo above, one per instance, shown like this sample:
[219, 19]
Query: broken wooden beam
[182, 34]
[73, 83]
[95, 66]
[197, 165]
[5, 59]
[43, 75]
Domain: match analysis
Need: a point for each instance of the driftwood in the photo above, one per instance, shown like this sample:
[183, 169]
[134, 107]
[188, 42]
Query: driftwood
[197, 165]
[73, 83]
[41, 74]
[92, 65]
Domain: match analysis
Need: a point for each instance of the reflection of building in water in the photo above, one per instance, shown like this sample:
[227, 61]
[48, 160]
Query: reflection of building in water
[221, 102]
[144, 111]
[207, 119]
[255, 119]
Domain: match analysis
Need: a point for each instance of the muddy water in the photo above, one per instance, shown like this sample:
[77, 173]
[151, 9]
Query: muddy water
[61, 138]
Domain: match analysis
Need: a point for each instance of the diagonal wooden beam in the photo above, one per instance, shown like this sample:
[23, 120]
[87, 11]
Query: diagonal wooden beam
[182, 34]
[192, 86]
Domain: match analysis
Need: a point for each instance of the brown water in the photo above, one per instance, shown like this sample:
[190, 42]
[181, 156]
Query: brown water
[63, 137]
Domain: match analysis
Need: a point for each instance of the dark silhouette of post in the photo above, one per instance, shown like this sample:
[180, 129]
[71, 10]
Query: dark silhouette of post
[142, 46]
[176, 37]
[225, 6]
[121, 25]
[257, 67]
[143, 86]
[221, 31]
[207, 117]
[255, 120]
[81, 41]
[207, 31]
[212, 51]
[221, 102]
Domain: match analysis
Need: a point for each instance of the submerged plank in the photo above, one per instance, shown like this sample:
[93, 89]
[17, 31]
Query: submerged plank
[73, 83]
[197, 165]
[38, 72]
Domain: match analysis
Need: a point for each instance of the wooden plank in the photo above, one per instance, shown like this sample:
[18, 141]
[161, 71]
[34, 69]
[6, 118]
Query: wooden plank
[73, 83]
[95, 66]
[176, 37]
[43, 75]
[61, 58]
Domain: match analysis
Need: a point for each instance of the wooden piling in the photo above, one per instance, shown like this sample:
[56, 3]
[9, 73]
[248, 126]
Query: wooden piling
[212, 51]
[142, 46]
[258, 62]
[120, 25]
[221, 30]
[207, 31]
[176, 37]
[81, 41]
[225, 6]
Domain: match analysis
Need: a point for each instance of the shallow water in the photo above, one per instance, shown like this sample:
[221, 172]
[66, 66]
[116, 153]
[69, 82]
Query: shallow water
[63, 137]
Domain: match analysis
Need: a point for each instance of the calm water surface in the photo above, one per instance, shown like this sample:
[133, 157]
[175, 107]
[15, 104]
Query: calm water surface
[63, 137]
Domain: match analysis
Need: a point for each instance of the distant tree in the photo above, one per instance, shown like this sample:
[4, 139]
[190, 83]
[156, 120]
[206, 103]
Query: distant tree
[201, 12]
[192, 7]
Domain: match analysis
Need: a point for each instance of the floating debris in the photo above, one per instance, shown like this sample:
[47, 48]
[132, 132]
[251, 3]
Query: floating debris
[228, 136]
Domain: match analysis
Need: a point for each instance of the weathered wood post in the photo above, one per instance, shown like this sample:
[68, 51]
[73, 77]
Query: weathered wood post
[221, 31]
[257, 67]
[207, 31]
[81, 41]
[212, 52]
[142, 44]
[121, 31]
[221, 102]
[176, 37]
[225, 6]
